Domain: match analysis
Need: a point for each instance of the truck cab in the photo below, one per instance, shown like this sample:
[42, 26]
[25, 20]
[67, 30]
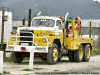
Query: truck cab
[44, 37]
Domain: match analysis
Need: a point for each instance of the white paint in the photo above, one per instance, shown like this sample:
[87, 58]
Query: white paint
[39, 13]
[92, 60]
[35, 28]
[17, 48]
[46, 17]
[31, 59]
[8, 54]
[1, 61]
[66, 15]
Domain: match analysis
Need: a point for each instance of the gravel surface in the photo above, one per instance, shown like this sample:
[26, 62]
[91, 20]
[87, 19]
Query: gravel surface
[63, 68]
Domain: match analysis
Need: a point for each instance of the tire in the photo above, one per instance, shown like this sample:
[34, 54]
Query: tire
[78, 55]
[59, 55]
[53, 55]
[17, 58]
[87, 53]
[71, 55]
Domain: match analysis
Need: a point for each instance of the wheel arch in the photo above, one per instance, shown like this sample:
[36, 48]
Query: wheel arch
[84, 44]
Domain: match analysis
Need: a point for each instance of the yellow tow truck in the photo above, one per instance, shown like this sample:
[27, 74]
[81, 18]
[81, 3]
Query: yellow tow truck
[50, 39]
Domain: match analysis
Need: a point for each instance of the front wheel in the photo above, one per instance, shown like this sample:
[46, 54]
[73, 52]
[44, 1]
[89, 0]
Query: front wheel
[53, 55]
[87, 53]
[78, 55]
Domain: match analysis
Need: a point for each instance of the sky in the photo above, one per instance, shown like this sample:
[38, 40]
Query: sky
[84, 8]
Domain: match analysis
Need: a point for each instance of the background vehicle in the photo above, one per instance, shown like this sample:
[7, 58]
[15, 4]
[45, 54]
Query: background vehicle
[50, 40]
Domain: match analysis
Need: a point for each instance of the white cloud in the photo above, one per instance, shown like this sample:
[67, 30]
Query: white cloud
[98, 1]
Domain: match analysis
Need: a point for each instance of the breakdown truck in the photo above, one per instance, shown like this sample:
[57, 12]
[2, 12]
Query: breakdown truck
[50, 39]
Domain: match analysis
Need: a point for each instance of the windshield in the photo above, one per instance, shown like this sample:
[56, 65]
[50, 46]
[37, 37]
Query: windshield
[43, 22]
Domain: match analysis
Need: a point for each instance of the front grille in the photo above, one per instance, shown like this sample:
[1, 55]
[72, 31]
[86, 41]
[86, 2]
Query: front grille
[26, 36]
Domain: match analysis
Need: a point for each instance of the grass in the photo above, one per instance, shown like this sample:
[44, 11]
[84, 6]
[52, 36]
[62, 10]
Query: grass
[8, 59]
[96, 51]
[4, 73]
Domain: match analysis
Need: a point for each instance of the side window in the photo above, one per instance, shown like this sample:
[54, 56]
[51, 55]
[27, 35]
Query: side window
[59, 24]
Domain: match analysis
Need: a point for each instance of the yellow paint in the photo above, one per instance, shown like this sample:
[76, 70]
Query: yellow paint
[41, 35]
[80, 53]
[74, 40]
[12, 40]
[46, 38]
[55, 54]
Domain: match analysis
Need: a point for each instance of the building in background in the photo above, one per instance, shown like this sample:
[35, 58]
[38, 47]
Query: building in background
[95, 30]
[7, 23]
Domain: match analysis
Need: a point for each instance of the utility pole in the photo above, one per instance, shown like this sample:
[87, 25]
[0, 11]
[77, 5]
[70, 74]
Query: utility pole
[23, 21]
[90, 29]
[2, 30]
[29, 17]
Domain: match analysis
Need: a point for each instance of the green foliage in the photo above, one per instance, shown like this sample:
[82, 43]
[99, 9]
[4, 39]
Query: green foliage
[96, 51]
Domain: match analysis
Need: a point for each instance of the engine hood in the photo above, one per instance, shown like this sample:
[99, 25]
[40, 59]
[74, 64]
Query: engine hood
[41, 34]
[38, 31]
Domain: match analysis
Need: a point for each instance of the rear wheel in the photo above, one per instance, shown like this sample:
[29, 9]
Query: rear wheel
[53, 55]
[78, 55]
[17, 57]
[71, 56]
[87, 53]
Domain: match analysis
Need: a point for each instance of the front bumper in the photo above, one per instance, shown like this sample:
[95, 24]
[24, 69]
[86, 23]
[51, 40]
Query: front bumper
[18, 48]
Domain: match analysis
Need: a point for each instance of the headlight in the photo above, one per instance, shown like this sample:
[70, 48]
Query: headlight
[45, 40]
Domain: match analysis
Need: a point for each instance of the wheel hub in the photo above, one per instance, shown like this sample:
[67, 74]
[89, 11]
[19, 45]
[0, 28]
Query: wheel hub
[55, 54]
[80, 53]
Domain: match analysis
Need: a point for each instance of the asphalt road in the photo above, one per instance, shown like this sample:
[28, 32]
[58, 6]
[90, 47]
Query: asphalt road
[63, 68]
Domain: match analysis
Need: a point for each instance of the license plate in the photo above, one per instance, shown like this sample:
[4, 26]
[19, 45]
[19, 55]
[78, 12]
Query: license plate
[24, 44]
[39, 48]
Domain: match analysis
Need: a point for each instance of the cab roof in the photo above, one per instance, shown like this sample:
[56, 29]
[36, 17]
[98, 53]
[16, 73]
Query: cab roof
[46, 17]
